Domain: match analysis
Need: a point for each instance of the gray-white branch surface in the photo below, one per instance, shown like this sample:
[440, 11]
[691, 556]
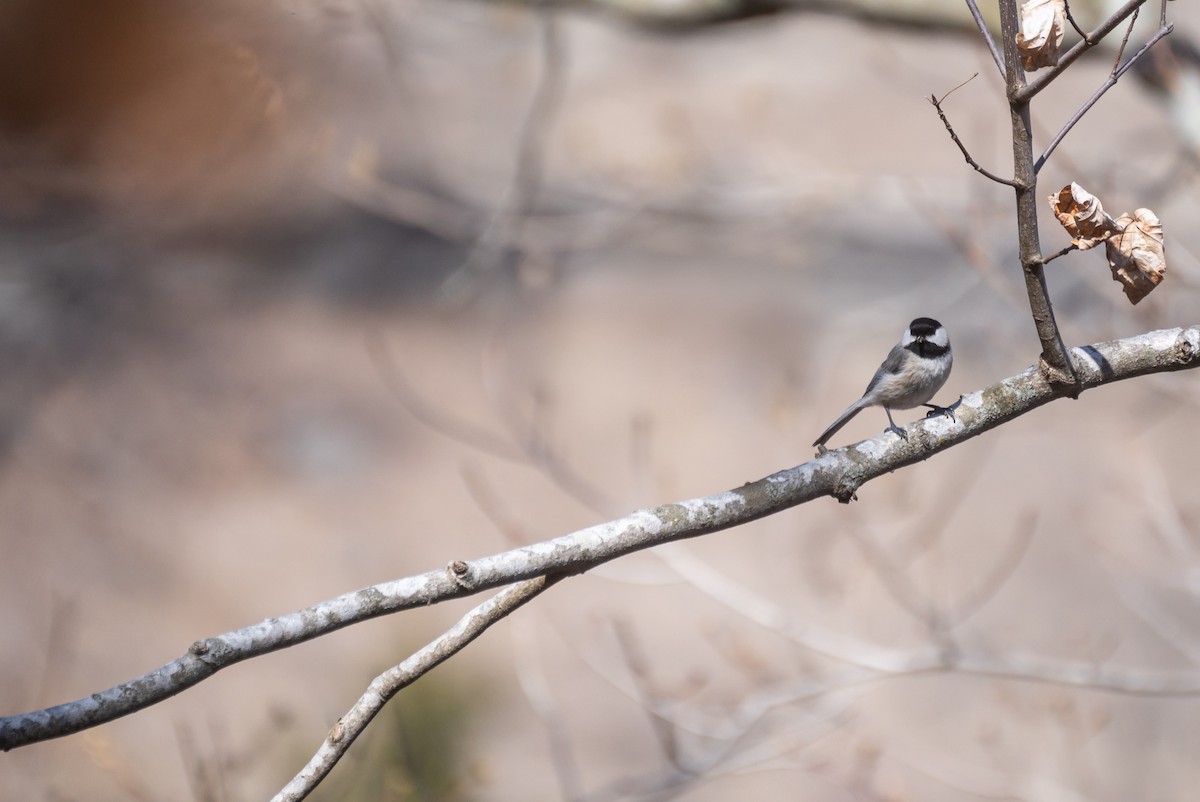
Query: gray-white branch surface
[398, 677]
[836, 473]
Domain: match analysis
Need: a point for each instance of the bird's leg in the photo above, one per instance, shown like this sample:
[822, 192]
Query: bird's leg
[935, 410]
[892, 427]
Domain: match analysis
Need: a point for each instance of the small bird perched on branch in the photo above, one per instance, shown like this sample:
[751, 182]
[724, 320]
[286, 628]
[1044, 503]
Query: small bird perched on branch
[914, 370]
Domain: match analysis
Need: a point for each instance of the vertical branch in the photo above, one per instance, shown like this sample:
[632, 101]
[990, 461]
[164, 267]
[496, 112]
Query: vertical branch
[1055, 361]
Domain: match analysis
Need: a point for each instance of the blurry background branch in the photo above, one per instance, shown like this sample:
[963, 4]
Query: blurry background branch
[527, 221]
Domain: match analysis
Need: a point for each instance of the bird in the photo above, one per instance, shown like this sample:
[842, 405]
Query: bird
[914, 370]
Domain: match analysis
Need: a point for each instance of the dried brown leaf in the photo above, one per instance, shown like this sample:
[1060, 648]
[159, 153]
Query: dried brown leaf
[1082, 215]
[1136, 254]
[1041, 35]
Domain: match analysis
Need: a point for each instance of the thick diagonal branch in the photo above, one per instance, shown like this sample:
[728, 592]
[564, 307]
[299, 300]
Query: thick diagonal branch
[837, 473]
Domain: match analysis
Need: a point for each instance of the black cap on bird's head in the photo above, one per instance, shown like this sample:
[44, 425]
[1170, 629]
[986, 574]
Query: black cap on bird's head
[923, 327]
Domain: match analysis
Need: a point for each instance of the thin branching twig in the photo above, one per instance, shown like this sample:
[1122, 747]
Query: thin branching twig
[937, 104]
[1117, 71]
[1071, 19]
[1063, 252]
[1027, 91]
[526, 183]
[1125, 39]
[529, 447]
[535, 685]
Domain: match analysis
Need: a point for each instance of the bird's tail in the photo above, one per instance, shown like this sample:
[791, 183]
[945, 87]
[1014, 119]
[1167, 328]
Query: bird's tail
[842, 420]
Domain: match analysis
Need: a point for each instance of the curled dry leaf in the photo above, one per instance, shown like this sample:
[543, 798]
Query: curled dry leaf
[1041, 35]
[1136, 255]
[1134, 242]
[1082, 215]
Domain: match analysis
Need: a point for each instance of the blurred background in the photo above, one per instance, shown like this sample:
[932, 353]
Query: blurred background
[296, 298]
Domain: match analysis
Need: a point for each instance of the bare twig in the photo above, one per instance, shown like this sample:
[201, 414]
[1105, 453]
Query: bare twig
[896, 581]
[871, 663]
[526, 183]
[1117, 71]
[649, 698]
[535, 685]
[1025, 92]
[1125, 40]
[1167, 523]
[728, 737]
[390, 682]
[1071, 19]
[940, 619]
[986, 33]
[442, 212]
[528, 448]
[485, 499]
[1063, 252]
[893, 568]
[764, 612]
[1161, 619]
[533, 431]
[962, 234]
[738, 748]
[477, 437]
[937, 104]
[838, 473]
[981, 592]
[1165, 30]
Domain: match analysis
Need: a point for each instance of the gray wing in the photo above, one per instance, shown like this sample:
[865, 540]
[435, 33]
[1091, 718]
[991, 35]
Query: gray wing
[894, 362]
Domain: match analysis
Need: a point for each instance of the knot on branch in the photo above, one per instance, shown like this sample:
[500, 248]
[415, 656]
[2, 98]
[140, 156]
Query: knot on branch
[212, 652]
[845, 490]
[460, 572]
[1186, 350]
[205, 651]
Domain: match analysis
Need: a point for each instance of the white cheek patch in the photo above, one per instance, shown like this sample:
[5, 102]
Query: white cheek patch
[907, 338]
